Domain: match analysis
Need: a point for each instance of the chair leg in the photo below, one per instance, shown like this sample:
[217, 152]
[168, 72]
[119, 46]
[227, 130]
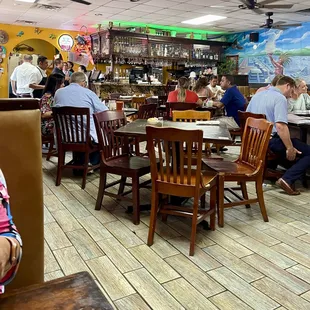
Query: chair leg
[261, 201]
[203, 201]
[136, 200]
[244, 193]
[61, 163]
[194, 227]
[153, 218]
[85, 170]
[213, 192]
[122, 185]
[220, 200]
[137, 146]
[102, 184]
[50, 149]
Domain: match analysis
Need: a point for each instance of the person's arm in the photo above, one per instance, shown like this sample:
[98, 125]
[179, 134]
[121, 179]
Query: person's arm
[224, 101]
[34, 80]
[272, 60]
[284, 134]
[10, 241]
[13, 81]
[97, 104]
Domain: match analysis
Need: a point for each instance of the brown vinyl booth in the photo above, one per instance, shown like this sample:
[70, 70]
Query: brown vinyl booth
[21, 163]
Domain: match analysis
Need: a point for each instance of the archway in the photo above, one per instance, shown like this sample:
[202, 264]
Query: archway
[34, 47]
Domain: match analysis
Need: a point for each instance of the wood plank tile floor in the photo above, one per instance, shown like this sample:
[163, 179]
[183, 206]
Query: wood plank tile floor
[248, 264]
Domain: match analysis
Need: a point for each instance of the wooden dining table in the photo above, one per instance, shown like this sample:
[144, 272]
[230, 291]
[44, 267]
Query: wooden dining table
[211, 133]
[77, 291]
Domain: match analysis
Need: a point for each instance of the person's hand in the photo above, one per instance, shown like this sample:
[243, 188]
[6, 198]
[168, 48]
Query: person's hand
[5, 251]
[291, 153]
[67, 77]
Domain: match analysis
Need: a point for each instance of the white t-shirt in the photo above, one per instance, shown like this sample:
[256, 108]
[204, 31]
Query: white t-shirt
[215, 89]
[37, 75]
[23, 75]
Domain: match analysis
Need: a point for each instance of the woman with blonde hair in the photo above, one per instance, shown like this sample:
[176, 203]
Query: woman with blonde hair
[300, 99]
[182, 93]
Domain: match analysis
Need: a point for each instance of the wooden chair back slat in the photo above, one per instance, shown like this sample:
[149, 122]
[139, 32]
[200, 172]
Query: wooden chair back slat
[255, 141]
[147, 111]
[110, 145]
[190, 116]
[170, 168]
[243, 116]
[72, 125]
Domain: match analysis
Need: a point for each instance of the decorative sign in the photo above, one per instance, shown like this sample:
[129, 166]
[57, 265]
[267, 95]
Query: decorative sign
[65, 42]
[2, 52]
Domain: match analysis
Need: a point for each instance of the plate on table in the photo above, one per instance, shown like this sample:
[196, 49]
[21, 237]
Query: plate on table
[125, 97]
[203, 123]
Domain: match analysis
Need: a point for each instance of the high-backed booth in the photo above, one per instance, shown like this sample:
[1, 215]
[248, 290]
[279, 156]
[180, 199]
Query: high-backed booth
[21, 163]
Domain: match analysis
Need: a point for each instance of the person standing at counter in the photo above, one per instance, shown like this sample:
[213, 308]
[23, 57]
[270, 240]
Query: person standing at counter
[182, 93]
[39, 77]
[70, 66]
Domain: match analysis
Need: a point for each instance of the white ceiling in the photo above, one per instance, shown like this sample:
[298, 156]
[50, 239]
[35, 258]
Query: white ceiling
[72, 15]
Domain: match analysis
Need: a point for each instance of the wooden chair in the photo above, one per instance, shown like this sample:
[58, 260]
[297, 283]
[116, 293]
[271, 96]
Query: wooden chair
[147, 110]
[249, 167]
[269, 174]
[49, 140]
[192, 116]
[115, 159]
[137, 102]
[73, 135]
[161, 106]
[179, 106]
[171, 177]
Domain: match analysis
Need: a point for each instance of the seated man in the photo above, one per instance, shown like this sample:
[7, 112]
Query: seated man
[273, 103]
[216, 90]
[76, 95]
[232, 100]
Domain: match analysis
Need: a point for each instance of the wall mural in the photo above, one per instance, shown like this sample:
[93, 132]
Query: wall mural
[277, 52]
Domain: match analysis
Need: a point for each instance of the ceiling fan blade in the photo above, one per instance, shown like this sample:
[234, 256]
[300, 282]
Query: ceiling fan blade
[277, 6]
[278, 23]
[290, 25]
[267, 2]
[81, 2]
[246, 2]
[258, 11]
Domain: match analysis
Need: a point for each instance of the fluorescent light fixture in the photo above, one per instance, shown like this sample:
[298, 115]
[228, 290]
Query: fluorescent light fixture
[217, 6]
[203, 19]
[28, 1]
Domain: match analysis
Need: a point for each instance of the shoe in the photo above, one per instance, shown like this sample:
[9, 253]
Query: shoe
[287, 188]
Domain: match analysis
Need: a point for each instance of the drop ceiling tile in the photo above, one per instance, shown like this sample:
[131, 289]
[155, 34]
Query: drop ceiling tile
[147, 8]
[105, 9]
[189, 7]
[164, 3]
[121, 4]
[83, 7]
[170, 12]
[120, 17]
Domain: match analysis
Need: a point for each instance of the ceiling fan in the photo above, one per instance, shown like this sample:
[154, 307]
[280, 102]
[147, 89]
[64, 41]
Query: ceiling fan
[257, 6]
[81, 2]
[277, 25]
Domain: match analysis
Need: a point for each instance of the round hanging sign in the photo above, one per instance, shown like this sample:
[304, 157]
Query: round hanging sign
[65, 42]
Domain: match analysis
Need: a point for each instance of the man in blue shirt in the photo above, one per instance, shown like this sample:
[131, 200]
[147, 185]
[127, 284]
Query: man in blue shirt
[232, 100]
[78, 96]
[273, 103]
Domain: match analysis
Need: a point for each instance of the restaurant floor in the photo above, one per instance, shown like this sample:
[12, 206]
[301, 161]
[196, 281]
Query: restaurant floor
[248, 264]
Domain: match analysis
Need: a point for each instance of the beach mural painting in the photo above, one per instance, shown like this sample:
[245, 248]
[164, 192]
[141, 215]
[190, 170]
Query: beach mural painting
[277, 52]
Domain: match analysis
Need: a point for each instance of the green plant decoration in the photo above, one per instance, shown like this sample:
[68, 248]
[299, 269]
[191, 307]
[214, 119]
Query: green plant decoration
[20, 34]
[285, 57]
[227, 67]
[52, 36]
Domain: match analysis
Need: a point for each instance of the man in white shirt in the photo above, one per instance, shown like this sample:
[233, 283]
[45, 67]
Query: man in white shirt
[216, 90]
[20, 78]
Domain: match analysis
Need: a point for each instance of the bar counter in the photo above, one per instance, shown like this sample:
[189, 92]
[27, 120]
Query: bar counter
[103, 89]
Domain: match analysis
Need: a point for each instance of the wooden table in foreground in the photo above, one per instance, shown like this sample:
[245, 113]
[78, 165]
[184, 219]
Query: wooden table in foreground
[75, 292]
[211, 133]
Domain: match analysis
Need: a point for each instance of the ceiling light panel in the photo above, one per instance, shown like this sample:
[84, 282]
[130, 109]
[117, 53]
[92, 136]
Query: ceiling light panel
[203, 19]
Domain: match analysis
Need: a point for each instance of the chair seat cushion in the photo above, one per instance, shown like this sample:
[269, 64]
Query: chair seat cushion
[127, 162]
[229, 167]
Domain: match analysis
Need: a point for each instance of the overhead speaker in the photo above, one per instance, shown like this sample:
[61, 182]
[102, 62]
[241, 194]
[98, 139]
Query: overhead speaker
[254, 37]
